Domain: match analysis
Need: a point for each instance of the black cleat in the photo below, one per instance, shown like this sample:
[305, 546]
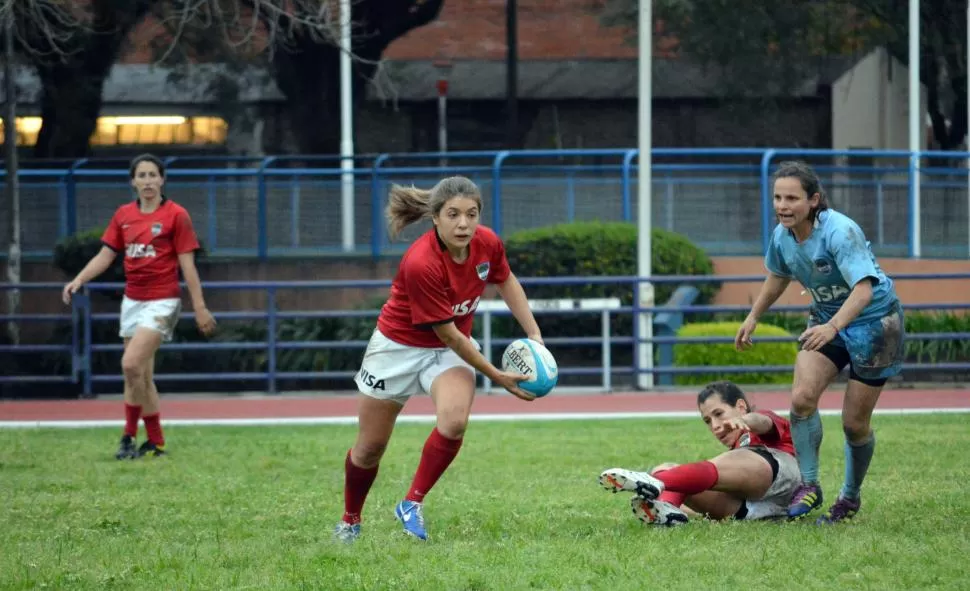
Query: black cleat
[126, 450]
[150, 449]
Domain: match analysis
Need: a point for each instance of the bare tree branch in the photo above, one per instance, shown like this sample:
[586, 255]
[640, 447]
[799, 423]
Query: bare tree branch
[44, 28]
[247, 26]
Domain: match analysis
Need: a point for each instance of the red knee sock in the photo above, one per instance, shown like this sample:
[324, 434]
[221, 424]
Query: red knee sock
[153, 426]
[436, 456]
[132, 414]
[689, 479]
[357, 483]
[674, 498]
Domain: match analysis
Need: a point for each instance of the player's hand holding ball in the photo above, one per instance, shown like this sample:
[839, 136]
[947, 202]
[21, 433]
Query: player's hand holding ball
[530, 360]
[510, 381]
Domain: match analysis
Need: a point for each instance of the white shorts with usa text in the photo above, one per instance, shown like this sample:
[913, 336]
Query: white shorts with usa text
[392, 371]
[158, 315]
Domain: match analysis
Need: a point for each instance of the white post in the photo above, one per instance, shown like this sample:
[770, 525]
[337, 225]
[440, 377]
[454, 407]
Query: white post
[444, 67]
[916, 122]
[644, 351]
[346, 131]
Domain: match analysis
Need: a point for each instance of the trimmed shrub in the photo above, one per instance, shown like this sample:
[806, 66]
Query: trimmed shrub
[724, 354]
[603, 248]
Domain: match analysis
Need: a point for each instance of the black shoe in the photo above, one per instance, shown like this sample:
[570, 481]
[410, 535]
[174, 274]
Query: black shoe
[150, 449]
[126, 450]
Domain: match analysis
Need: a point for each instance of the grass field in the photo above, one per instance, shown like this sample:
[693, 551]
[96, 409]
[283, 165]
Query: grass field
[253, 508]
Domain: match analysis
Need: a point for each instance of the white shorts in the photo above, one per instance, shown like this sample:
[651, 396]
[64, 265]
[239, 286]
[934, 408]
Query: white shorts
[159, 315]
[775, 502]
[392, 371]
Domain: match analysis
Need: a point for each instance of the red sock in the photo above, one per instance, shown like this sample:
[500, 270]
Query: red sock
[153, 425]
[689, 479]
[357, 483]
[132, 414]
[674, 498]
[436, 456]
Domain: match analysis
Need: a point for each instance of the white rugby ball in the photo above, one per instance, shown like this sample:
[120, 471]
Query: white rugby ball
[531, 358]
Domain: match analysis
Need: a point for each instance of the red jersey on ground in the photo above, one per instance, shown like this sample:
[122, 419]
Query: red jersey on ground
[151, 243]
[778, 438]
[430, 288]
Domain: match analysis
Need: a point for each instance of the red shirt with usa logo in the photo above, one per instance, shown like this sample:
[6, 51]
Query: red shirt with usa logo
[151, 243]
[431, 288]
[778, 438]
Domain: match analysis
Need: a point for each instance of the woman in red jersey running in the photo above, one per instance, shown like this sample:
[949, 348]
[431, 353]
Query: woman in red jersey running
[156, 237]
[423, 342]
[755, 479]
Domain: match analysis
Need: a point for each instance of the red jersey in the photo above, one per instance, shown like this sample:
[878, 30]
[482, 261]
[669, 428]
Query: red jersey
[778, 438]
[151, 243]
[430, 288]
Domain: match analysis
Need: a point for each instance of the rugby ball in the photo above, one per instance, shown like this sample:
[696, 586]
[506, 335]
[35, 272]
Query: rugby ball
[531, 358]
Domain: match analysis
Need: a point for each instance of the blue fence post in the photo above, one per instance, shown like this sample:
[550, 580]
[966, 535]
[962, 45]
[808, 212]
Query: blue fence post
[79, 355]
[70, 197]
[211, 226]
[880, 216]
[625, 188]
[766, 199]
[666, 324]
[636, 333]
[271, 340]
[376, 198]
[570, 197]
[86, 390]
[262, 211]
[497, 190]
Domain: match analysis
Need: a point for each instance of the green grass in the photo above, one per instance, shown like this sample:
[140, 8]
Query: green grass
[253, 508]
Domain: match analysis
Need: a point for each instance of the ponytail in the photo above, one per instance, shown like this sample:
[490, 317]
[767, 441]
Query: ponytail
[405, 206]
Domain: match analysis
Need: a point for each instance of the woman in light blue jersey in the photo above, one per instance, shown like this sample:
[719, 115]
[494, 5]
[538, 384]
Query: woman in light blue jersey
[856, 320]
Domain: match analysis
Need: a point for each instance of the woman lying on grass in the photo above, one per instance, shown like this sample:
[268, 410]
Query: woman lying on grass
[755, 479]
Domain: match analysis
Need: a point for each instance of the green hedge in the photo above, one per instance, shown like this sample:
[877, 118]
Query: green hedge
[922, 351]
[603, 248]
[723, 354]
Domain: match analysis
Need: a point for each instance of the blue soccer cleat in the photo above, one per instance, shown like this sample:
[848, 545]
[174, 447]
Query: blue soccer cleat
[346, 532]
[806, 499]
[411, 516]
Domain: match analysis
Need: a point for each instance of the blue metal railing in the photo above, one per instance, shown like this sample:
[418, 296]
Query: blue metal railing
[257, 207]
[667, 317]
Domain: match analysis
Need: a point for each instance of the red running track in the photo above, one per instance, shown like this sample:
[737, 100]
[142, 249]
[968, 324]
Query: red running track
[286, 406]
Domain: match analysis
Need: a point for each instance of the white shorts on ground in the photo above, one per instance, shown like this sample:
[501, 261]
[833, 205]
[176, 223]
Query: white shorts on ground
[392, 371]
[775, 502]
[158, 315]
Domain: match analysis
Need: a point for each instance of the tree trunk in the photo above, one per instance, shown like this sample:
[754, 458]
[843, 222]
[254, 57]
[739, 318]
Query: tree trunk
[72, 86]
[13, 184]
[309, 73]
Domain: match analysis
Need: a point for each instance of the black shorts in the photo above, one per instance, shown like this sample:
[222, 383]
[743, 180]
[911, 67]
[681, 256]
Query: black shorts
[840, 357]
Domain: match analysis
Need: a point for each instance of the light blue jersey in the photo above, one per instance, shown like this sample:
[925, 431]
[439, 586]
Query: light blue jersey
[829, 263]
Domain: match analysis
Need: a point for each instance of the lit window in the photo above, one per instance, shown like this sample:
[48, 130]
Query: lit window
[138, 130]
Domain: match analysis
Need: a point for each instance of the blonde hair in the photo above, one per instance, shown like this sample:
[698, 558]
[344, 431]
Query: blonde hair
[407, 205]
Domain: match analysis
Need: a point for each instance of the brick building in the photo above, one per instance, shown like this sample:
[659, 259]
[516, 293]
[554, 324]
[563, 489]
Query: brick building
[577, 86]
